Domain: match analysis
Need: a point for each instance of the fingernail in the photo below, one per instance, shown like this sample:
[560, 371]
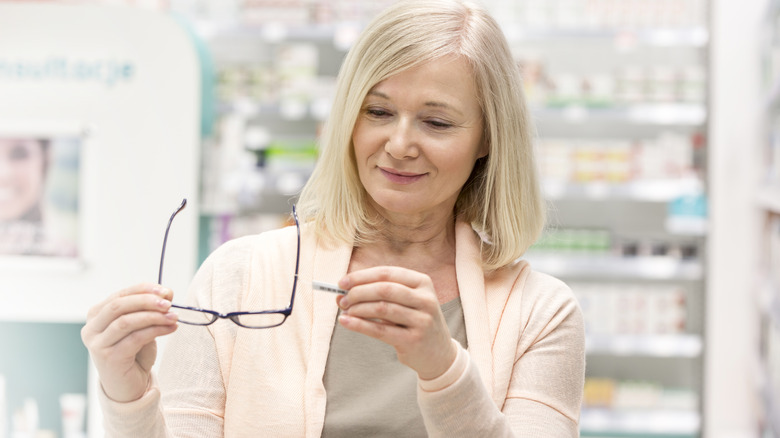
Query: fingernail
[172, 316]
[344, 283]
[344, 302]
[164, 304]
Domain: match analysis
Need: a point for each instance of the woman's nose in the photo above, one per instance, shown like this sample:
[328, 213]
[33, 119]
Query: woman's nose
[402, 141]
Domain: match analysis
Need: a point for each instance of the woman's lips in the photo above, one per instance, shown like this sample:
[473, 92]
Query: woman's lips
[398, 177]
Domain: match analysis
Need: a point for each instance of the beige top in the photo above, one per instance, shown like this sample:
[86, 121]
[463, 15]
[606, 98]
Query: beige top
[370, 393]
[522, 374]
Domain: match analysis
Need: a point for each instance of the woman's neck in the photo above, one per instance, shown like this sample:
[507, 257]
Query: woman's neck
[426, 246]
[412, 242]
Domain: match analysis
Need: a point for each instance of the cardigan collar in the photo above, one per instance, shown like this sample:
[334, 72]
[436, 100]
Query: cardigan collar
[331, 261]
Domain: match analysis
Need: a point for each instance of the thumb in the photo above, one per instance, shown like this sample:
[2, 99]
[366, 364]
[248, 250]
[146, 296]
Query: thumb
[147, 356]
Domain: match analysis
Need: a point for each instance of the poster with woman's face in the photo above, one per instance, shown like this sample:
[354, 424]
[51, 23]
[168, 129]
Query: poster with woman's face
[39, 195]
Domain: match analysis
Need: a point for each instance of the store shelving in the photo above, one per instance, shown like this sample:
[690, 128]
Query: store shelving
[661, 190]
[673, 345]
[269, 32]
[770, 403]
[768, 198]
[600, 266]
[622, 152]
[644, 423]
[662, 114]
[767, 205]
[670, 37]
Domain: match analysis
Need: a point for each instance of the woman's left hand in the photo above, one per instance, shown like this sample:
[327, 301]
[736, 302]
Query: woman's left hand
[399, 307]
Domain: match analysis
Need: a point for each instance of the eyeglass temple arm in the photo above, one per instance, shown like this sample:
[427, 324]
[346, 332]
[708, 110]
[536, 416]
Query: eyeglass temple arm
[165, 239]
[297, 257]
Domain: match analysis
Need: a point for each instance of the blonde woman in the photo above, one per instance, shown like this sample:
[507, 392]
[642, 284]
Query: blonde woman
[420, 209]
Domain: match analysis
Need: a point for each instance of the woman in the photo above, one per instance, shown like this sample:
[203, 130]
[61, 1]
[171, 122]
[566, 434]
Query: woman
[23, 164]
[423, 200]
[23, 167]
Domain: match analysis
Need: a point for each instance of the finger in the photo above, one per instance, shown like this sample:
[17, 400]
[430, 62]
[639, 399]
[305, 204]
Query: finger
[394, 274]
[127, 325]
[141, 288]
[129, 346]
[390, 334]
[386, 311]
[125, 305]
[385, 291]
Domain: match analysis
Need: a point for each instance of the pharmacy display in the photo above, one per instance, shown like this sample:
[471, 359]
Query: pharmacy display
[39, 194]
[99, 137]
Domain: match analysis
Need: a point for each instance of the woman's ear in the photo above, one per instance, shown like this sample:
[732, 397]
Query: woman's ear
[484, 148]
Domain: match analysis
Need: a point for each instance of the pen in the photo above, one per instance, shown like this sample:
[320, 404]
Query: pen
[327, 287]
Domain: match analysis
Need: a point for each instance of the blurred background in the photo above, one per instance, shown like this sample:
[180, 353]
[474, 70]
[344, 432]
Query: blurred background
[658, 142]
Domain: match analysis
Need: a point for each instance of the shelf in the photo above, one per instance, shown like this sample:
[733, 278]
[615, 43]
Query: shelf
[649, 191]
[611, 266]
[773, 9]
[695, 37]
[295, 112]
[691, 37]
[768, 298]
[640, 423]
[773, 96]
[273, 203]
[665, 114]
[278, 32]
[772, 410]
[677, 345]
[768, 198]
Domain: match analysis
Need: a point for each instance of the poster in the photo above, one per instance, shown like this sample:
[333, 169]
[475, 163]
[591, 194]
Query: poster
[40, 176]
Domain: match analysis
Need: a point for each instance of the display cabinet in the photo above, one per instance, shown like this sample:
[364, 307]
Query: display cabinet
[621, 140]
[767, 204]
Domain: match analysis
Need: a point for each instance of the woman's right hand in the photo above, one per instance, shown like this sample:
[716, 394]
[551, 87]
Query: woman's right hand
[120, 335]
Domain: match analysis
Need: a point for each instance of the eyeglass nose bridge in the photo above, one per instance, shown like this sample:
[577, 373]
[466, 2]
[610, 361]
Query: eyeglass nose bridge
[216, 315]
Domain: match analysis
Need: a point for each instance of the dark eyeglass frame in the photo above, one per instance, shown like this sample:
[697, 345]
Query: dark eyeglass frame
[235, 316]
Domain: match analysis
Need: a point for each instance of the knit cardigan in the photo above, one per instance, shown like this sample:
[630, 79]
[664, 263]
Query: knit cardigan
[522, 375]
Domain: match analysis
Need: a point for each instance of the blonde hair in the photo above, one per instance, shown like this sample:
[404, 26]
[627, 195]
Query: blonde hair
[501, 199]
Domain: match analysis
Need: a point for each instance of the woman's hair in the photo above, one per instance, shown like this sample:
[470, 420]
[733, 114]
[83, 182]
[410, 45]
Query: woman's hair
[501, 198]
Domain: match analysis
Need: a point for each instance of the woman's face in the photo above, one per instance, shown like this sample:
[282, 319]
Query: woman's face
[418, 136]
[22, 168]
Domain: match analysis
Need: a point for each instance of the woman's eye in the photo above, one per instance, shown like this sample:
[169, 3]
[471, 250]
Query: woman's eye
[375, 112]
[439, 124]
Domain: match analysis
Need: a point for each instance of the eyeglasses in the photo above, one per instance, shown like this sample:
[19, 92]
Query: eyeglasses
[252, 320]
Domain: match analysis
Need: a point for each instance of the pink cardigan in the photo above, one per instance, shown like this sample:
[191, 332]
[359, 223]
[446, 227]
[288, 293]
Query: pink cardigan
[521, 376]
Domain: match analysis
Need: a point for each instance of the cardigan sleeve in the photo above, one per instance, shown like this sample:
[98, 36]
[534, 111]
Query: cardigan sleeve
[545, 390]
[193, 392]
[548, 375]
[141, 417]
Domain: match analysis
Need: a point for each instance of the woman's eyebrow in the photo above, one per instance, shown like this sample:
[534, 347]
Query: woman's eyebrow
[431, 103]
[378, 94]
